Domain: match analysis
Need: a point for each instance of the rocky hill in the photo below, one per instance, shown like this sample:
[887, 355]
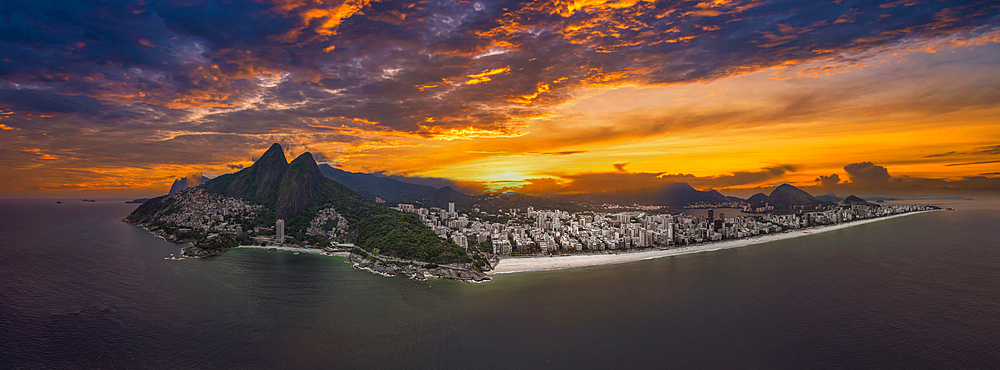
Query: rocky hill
[309, 203]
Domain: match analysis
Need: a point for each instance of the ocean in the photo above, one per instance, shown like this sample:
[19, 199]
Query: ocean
[79, 289]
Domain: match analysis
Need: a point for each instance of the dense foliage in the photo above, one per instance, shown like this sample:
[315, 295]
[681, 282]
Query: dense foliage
[377, 227]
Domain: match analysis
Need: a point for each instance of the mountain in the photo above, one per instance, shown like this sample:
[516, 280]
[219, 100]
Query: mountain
[681, 193]
[879, 197]
[829, 197]
[854, 200]
[240, 205]
[757, 200]
[300, 187]
[371, 186]
[184, 183]
[389, 189]
[786, 196]
[260, 181]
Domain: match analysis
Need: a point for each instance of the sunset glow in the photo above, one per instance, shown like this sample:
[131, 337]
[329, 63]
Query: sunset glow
[537, 97]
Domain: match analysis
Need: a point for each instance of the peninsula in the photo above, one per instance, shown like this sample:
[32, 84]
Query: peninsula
[278, 205]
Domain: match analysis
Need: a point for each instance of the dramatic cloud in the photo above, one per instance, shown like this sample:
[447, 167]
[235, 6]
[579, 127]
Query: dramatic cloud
[622, 181]
[828, 181]
[868, 174]
[126, 88]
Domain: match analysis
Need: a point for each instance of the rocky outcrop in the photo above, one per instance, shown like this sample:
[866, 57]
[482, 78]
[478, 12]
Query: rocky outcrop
[416, 270]
[197, 252]
[187, 182]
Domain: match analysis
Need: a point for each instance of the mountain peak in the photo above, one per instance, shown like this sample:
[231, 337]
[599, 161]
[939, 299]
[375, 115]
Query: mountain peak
[260, 180]
[300, 186]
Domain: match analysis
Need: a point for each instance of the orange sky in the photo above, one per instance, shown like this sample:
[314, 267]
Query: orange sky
[545, 97]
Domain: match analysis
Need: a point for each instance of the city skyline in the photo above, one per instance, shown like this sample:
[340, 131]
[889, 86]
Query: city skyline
[536, 97]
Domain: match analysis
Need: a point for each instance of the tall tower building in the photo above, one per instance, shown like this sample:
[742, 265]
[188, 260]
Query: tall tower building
[711, 213]
[451, 208]
[279, 231]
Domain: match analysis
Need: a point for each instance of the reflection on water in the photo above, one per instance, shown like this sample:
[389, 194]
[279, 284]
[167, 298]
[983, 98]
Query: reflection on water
[78, 288]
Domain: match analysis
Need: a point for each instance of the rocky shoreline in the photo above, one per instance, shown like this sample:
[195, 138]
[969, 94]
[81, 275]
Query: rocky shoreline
[412, 269]
[415, 270]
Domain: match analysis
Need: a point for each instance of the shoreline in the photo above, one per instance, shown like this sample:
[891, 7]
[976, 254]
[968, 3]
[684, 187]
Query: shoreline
[513, 265]
[295, 249]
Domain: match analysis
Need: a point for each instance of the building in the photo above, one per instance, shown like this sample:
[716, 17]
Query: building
[451, 208]
[279, 231]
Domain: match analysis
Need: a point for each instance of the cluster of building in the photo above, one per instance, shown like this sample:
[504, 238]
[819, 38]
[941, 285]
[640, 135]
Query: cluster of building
[208, 212]
[556, 231]
[328, 223]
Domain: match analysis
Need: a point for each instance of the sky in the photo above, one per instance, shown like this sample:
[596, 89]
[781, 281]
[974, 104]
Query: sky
[540, 97]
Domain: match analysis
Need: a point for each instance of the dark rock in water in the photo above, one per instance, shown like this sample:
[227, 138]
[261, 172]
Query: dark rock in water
[58, 202]
[138, 201]
[89, 200]
[198, 252]
[272, 250]
[416, 270]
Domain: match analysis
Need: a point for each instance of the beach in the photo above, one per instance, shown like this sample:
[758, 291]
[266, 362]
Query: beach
[508, 265]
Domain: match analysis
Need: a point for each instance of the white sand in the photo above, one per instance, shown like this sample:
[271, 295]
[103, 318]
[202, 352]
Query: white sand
[509, 265]
[295, 249]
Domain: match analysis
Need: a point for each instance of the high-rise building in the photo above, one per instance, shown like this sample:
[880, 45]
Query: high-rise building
[711, 213]
[451, 208]
[279, 231]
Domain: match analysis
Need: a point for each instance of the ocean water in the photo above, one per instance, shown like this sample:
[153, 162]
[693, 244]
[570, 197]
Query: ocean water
[80, 289]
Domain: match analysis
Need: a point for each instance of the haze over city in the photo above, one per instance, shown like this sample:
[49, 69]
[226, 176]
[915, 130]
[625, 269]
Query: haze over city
[885, 97]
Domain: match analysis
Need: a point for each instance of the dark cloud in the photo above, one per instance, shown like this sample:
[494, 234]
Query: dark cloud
[971, 163]
[828, 181]
[408, 66]
[235, 167]
[567, 152]
[939, 155]
[640, 182]
[989, 150]
[868, 174]
[142, 83]
[984, 150]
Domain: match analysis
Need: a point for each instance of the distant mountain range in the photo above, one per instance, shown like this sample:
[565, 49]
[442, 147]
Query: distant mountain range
[681, 194]
[371, 186]
[298, 185]
[393, 190]
[829, 197]
[784, 197]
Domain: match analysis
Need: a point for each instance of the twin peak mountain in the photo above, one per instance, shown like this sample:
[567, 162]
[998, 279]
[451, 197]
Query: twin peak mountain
[289, 188]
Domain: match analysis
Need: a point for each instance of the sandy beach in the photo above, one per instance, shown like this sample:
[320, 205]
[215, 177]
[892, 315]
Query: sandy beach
[544, 263]
[294, 249]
